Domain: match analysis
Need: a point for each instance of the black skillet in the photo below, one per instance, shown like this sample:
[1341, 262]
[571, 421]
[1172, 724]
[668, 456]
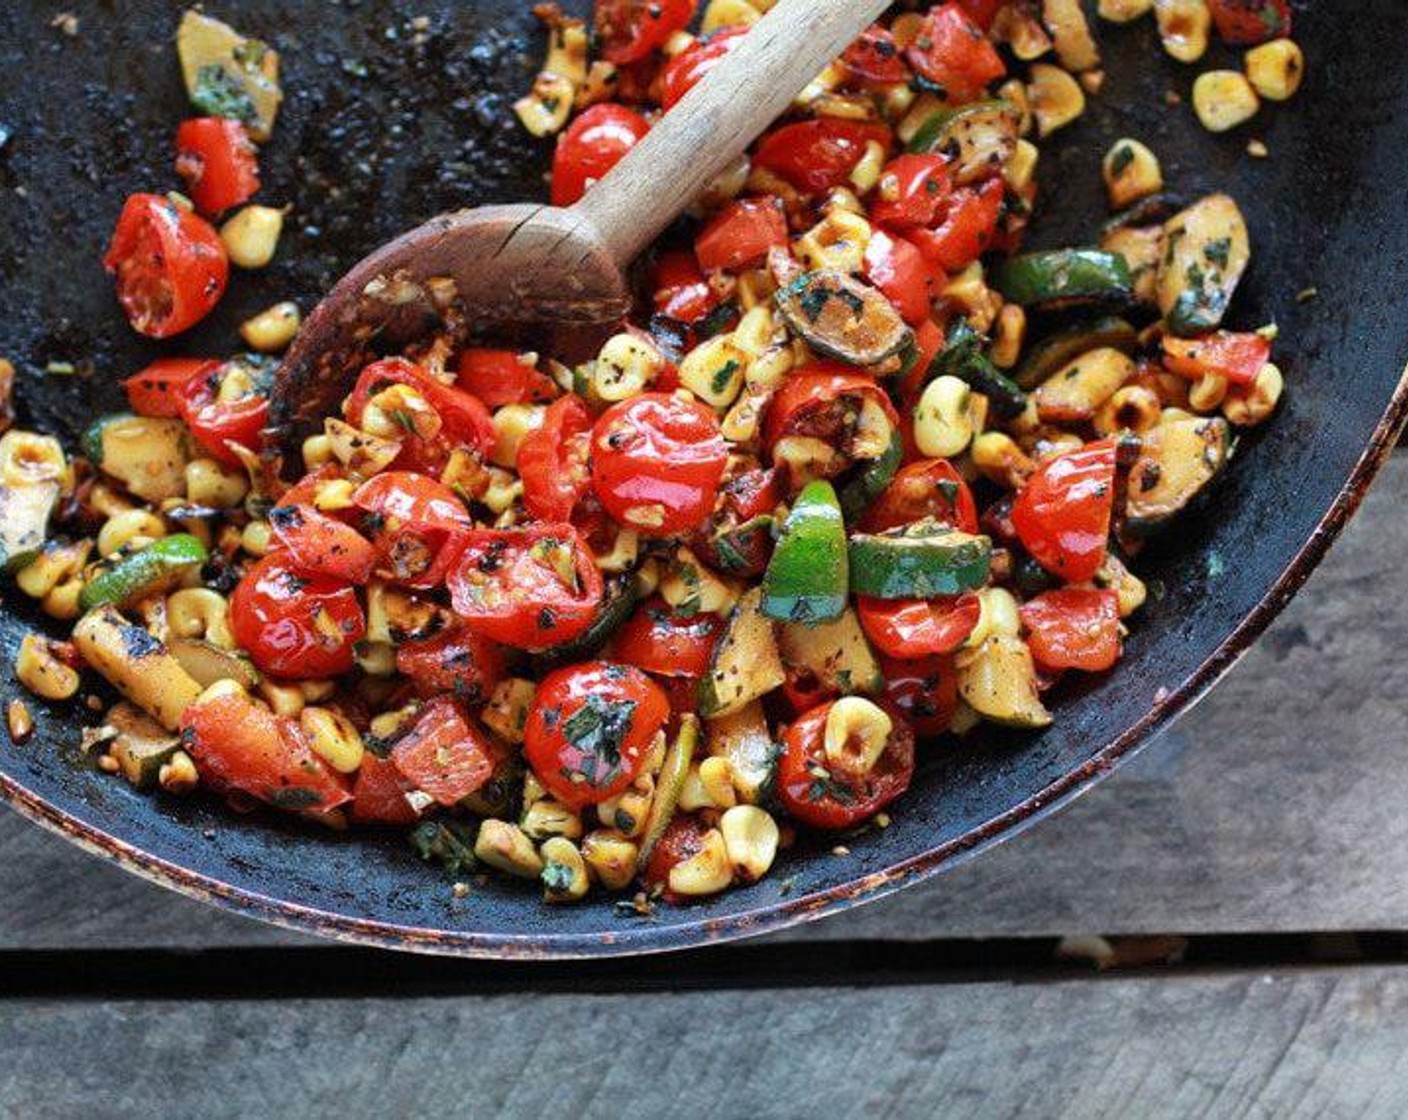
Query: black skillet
[387, 123]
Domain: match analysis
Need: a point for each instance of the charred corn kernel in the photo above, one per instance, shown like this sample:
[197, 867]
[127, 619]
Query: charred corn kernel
[1183, 27]
[1011, 334]
[512, 423]
[1129, 587]
[54, 564]
[1207, 392]
[627, 811]
[1017, 25]
[999, 616]
[317, 452]
[969, 290]
[335, 494]
[713, 371]
[839, 240]
[506, 714]
[1056, 98]
[200, 612]
[273, 328]
[546, 817]
[770, 368]
[107, 501]
[625, 367]
[998, 459]
[729, 13]
[693, 795]
[817, 89]
[1014, 93]
[866, 173]
[856, 733]
[647, 579]
[1131, 171]
[1223, 99]
[1248, 407]
[625, 549]
[708, 871]
[134, 527]
[503, 846]
[716, 776]
[1275, 69]
[387, 725]
[62, 601]
[1092, 81]
[564, 873]
[361, 452]
[252, 235]
[756, 332]
[1020, 172]
[27, 458]
[567, 51]
[533, 789]
[610, 857]
[400, 410]
[751, 839]
[178, 774]
[41, 672]
[691, 588]
[18, 722]
[210, 484]
[255, 538]
[545, 108]
[376, 659]
[1123, 11]
[806, 458]
[1133, 408]
[284, 699]
[842, 198]
[333, 738]
[943, 426]
[503, 491]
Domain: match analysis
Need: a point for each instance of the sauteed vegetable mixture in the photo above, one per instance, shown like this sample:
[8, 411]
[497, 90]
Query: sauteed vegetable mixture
[864, 473]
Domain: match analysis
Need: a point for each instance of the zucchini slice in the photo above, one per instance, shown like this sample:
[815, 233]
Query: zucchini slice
[869, 481]
[147, 455]
[1177, 461]
[668, 784]
[838, 316]
[746, 664]
[124, 579]
[617, 602]
[743, 550]
[836, 654]
[1073, 393]
[1054, 351]
[806, 579]
[1063, 278]
[998, 681]
[142, 746]
[744, 739]
[978, 139]
[1142, 247]
[207, 663]
[1206, 250]
[918, 561]
[962, 357]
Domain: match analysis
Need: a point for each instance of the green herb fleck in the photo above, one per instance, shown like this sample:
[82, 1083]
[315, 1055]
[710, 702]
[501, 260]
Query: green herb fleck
[218, 93]
[448, 843]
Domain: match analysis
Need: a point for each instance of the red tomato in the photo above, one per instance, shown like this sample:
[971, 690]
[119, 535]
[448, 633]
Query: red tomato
[803, 690]
[1074, 628]
[552, 460]
[925, 691]
[928, 488]
[499, 377]
[683, 839]
[928, 341]
[874, 59]
[529, 588]
[590, 729]
[819, 154]
[909, 629]
[821, 793]
[379, 794]
[240, 745]
[896, 267]
[1244, 22]
[458, 661]
[1062, 514]
[443, 754]
[687, 69]
[170, 265]
[628, 30]
[304, 492]
[156, 391]
[952, 53]
[913, 191]
[238, 418]
[460, 419]
[660, 641]
[593, 144]
[819, 399]
[741, 234]
[295, 626]
[318, 545]
[681, 291]
[218, 161]
[683, 695]
[1237, 357]
[656, 463]
[982, 12]
[967, 229]
[416, 525]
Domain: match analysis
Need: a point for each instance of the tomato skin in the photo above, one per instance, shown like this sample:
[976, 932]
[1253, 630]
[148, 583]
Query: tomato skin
[683, 839]
[1235, 356]
[898, 269]
[593, 144]
[416, 525]
[216, 423]
[218, 161]
[927, 488]
[318, 545]
[379, 794]
[815, 802]
[910, 629]
[809, 396]
[274, 615]
[628, 30]
[443, 754]
[981, 12]
[913, 191]
[656, 463]
[503, 592]
[1074, 628]
[464, 421]
[1062, 514]
[952, 52]
[681, 291]
[875, 60]
[458, 662]
[741, 234]
[624, 707]
[929, 339]
[552, 460]
[240, 745]
[925, 691]
[1247, 22]
[660, 641]
[156, 390]
[967, 230]
[170, 264]
[687, 69]
[499, 377]
[817, 155]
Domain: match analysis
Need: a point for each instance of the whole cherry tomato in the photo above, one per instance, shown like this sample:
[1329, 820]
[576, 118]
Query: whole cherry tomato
[1074, 628]
[443, 754]
[552, 460]
[318, 545]
[295, 626]
[1244, 22]
[910, 629]
[913, 191]
[656, 463]
[899, 270]
[156, 390]
[590, 729]
[925, 691]
[1238, 357]
[819, 154]
[874, 60]
[455, 419]
[593, 144]
[1062, 514]
[967, 230]
[660, 641]
[681, 290]
[416, 525]
[687, 69]
[218, 161]
[228, 403]
[170, 265]
[628, 30]
[818, 791]
[952, 53]
[499, 377]
[741, 234]
[927, 488]
[458, 662]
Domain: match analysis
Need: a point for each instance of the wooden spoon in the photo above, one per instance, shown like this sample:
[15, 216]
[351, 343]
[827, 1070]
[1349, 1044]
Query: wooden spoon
[526, 266]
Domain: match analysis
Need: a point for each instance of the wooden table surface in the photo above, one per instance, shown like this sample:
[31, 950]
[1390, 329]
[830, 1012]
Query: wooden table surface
[1242, 880]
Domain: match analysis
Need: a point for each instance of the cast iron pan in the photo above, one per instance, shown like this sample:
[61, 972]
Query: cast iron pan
[384, 126]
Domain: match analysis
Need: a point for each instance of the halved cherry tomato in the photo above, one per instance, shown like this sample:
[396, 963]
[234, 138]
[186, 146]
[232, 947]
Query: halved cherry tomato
[379, 794]
[460, 419]
[660, 641]
[683, 694]
[228, 402]
[819, 154]
[687, 69]
[928, 488]
[803, 690]
[628, 30]
[1244, 22]
[741, 234]
[681, 291]
[240, 745]
[1235, 356]
[416, 525]
[656, 463]
[925, 691]
[295, 626]
[966, 231]
[499, 377]
[820, 400]
[874, 59]
[156, 391]
[443, 754]
[898, 269]
[913, 191]
[218, 161]
[1062, 514]
[319, 545]
[590, 729]
[459, 662]
[818, 791]
[1074, 628]
[683, 839]
[952, 53]
[593, 144]
[723, 542]
[529, 588]
[552, 460]
[170, 265]
[908, 629]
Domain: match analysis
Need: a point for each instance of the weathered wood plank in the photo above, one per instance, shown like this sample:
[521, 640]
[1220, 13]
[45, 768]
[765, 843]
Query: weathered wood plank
[1276, 805]
[1302, 1044]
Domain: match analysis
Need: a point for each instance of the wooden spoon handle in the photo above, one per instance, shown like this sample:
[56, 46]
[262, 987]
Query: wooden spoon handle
[717, 120]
